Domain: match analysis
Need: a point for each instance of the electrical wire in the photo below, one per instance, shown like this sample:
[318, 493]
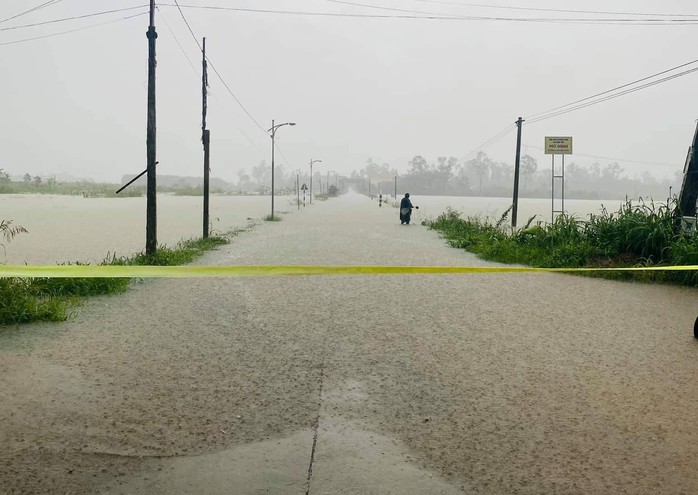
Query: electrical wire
[614, 89]
[201, 48]
[344, 2]
[72, 30]
[34, 9]
[191, 64]
[611, 97]
[578, 21]
[85, 16]
[532, 9]
[626, 160]
[191, 31]
[497, 137]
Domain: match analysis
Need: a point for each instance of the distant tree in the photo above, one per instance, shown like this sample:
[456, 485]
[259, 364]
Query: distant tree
[481, 165]
[611, 172]
[418, 165]
[529, 166]
[4, 177]
[261, 174]
[243, 176]
[37, 180]
[27, 178]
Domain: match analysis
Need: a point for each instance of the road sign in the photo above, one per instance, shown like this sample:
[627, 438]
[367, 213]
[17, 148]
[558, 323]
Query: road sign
[558, 145]
[304, 188]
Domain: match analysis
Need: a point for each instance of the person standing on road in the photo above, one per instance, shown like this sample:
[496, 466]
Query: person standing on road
[406, 209]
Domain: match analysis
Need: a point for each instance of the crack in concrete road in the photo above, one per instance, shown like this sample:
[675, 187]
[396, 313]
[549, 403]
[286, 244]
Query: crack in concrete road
[316, 425]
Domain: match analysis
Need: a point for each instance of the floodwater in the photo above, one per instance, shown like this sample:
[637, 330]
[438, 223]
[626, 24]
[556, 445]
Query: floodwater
[72, 228]
[493, 208]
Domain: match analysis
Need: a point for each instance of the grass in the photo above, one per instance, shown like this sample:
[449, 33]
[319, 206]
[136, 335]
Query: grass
[274, 218]
[26, 300]
[639, 234]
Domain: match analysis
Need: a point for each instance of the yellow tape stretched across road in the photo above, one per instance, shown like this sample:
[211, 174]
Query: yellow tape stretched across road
[216, 271]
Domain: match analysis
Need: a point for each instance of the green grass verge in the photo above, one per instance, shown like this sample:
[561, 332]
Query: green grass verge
[638, 234]
[26, 300]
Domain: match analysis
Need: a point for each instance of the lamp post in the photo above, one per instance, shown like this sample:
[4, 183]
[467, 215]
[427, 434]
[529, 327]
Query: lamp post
[311, 178]
[273, 134]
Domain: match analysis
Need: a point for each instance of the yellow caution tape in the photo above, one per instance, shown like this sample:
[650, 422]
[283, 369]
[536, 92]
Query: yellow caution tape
[190, 271]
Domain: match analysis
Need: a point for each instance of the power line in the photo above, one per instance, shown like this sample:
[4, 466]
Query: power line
[497, 137]
[85, 16]
[72, 30]
[188, 26]
[611, 97]
[191, 31]
[614, 89]
[580, 21]
[34, 9]
[602, 12]
[627, 160]
[216, 70]
[191, 64]
[528, 9]
[343, 2]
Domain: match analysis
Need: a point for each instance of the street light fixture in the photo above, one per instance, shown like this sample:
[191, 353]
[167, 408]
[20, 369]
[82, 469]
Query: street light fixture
[273, 134]
[311, 178]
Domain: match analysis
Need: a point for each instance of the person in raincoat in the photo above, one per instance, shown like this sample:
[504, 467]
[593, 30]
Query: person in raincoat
[406, 209]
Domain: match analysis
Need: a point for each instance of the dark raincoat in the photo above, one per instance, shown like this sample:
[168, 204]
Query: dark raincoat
[405, 210]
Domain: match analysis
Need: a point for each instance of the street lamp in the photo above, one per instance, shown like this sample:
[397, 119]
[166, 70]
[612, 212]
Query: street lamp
[311, 178]
[273, 134]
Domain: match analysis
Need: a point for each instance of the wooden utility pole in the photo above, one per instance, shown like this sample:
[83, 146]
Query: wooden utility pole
[205, 135]
[517, 164]
[151, 228]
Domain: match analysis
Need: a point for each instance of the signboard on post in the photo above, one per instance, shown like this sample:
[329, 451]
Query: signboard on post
[558, 145]
[304, 187]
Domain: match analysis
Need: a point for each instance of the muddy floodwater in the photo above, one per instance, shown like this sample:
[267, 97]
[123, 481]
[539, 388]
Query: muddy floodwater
[70, 228]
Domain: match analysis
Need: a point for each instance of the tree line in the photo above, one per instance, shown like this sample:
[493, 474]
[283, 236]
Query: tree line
[483, 176]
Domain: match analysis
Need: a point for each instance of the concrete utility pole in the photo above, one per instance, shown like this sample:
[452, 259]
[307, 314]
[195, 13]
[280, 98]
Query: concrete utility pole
[272, 131]
[515, 207]
[151, 224]
[205, 136]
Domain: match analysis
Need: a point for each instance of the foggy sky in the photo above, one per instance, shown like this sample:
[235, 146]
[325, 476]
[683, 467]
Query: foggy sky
[382, 88]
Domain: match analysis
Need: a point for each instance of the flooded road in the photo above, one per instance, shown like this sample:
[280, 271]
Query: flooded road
[70, 228]
[476, 383]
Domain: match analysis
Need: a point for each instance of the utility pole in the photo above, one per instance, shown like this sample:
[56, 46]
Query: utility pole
[298, 191]
[151, 227]
[205, 136]
[273, 132]
[515, 206]
[395, 195]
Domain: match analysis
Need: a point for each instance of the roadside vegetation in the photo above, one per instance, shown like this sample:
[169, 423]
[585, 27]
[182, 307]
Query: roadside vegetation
[25, 300]
[638, 235]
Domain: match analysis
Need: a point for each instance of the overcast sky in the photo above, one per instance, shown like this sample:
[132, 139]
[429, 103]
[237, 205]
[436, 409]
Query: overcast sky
[358, 87]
